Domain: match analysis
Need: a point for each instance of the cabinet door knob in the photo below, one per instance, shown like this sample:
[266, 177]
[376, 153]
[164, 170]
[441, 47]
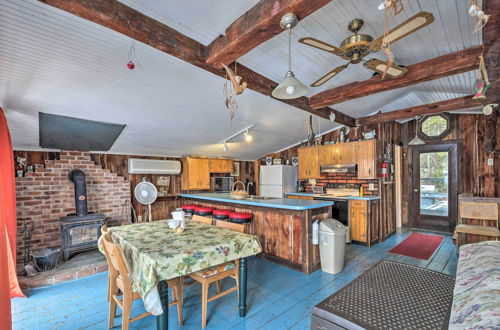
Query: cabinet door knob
[415, 190]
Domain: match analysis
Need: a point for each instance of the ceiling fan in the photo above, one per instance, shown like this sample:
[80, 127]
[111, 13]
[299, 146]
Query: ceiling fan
[357, 46]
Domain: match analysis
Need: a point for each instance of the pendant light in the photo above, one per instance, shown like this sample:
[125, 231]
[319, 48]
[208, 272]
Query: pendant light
[416, 141]
[290, 87]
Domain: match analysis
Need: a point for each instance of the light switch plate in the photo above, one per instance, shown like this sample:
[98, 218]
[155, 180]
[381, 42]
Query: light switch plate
[491, 162]
[371, 186]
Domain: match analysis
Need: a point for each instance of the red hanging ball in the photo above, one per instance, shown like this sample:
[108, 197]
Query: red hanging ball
[130, 65]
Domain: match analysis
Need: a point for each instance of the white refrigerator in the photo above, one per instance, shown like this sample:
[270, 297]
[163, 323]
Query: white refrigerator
[276, 180]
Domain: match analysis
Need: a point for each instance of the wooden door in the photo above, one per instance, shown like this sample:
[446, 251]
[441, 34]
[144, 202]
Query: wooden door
[303, 166]
[215, 165]
[350, 152]
[227, 166]
[367, 168]
[313, 163]
[434, 186]
[358, 220]
[325, 155]
[203, 173]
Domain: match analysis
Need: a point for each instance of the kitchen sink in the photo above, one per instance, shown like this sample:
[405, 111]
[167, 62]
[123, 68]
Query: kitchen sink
[262, 198]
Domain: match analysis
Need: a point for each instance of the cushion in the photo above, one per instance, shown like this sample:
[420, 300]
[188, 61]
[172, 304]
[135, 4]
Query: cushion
[221, 212]
[202, 209]
[240, 215]
[207, 272]
[189, 207]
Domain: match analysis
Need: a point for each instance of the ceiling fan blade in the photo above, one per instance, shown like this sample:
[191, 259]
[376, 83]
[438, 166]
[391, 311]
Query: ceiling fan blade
[409, 26]
[321, 45]
[329, 75]
[379, 66]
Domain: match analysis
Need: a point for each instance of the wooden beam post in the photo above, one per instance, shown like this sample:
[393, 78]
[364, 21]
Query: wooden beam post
[491, 42]
[260, 23]
[439, 67]
[125, 20]
[425, 109]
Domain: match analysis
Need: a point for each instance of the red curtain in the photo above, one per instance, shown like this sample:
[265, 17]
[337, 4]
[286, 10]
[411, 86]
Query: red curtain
[9, 286]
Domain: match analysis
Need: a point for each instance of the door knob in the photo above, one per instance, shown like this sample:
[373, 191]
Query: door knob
[415, 190]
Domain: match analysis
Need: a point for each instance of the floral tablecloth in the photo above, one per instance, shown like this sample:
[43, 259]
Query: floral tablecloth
[155, 253]
[476, 299]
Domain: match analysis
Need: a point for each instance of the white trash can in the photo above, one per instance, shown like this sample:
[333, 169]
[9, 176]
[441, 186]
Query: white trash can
[332, 238]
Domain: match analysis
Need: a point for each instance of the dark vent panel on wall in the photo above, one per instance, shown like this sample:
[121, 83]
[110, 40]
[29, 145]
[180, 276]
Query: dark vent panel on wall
[60, 132]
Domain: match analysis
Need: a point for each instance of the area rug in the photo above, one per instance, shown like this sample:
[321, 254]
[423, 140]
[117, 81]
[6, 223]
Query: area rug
[418, 245]
[390, 295]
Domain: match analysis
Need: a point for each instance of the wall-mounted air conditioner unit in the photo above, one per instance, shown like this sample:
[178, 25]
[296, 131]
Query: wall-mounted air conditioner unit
[153, 166]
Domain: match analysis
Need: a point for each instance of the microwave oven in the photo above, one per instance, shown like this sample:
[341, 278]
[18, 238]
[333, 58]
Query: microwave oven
[222, 183]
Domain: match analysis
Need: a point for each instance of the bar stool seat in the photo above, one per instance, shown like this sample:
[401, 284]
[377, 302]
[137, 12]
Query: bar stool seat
[221, 214]
[203, 211]
[240, 217]
[189, 208]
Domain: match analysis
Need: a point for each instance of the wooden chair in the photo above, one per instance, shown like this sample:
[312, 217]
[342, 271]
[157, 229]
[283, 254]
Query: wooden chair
[477, 210]
[104, 230]
[120, 283]
[214, 274]
[199, 218]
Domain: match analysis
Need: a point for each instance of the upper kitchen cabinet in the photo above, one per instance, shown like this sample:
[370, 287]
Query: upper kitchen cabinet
[367, 159]
[308, 163]
[221, 165]
[195, 174]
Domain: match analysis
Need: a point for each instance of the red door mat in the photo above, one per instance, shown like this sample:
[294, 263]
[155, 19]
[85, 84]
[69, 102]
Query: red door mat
[418, 245]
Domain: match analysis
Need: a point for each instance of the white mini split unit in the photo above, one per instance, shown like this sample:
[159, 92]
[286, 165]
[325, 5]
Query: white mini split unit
[153, 166]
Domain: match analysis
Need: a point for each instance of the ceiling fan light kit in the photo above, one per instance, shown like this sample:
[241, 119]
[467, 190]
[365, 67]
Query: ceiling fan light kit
[290, 87]
[416, 141]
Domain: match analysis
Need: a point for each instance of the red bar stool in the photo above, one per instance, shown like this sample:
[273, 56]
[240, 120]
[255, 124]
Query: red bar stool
[240, 217]
[221, 214]
[189, 208]
[243, 218]
[203, 211]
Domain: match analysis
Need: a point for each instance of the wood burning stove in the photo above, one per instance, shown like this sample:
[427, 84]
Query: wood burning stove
[80, 231]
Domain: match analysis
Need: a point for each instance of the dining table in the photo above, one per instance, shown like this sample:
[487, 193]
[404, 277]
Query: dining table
[156, 253]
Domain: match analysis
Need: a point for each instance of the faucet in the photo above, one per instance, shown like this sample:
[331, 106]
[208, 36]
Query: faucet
[249, 183]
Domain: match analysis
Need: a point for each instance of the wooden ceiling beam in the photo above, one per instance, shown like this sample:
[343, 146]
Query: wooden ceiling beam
[125, 20]
[491, 42]
[260, 23]
[435, 68]
[464, 102]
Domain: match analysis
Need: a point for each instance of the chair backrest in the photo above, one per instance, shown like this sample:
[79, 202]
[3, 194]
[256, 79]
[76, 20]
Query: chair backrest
[230, 225]
[204, 220]
[117, 261]
[478, 210]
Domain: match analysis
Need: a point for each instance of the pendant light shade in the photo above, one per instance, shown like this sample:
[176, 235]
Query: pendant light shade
[290, 87]
[416, 141]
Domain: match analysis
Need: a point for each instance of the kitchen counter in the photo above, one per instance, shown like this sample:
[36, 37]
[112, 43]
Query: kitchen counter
[368, 198]
[276, 203]
[283, 225]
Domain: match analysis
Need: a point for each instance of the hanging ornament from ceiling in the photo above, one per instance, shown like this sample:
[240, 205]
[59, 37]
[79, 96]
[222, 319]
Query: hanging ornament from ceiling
[480, 17]
[482, 82]
[392, 7]
[132, 58]
[235, 87]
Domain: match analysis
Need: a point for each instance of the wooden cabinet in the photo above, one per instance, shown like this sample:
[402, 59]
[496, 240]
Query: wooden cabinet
[308, 163]
[195, 174]
[358, 218]
[367, 159]
[364, 220]
[221, 165]
[301, 197]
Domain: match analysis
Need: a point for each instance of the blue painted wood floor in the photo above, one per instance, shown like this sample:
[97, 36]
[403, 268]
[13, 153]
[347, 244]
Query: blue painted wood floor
[278, 297]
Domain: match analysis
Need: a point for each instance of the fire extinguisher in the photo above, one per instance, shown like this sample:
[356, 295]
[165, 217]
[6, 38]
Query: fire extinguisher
[384, 169]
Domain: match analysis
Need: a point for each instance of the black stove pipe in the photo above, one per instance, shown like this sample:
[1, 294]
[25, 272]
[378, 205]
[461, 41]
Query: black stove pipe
[78, 178]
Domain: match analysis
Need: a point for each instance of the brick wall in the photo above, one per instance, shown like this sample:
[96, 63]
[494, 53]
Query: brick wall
[46, 195]
[348, 180]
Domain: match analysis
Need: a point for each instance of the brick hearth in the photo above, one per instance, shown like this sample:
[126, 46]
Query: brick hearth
[46, 195]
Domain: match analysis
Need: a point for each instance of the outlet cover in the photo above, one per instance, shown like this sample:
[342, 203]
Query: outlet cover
[371, 186]
[491, 162]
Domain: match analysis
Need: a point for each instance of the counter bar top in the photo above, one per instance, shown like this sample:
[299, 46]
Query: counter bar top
[276, 203]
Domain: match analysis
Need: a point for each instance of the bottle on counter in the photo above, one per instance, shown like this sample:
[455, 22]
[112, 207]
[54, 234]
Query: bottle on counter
[361, 191]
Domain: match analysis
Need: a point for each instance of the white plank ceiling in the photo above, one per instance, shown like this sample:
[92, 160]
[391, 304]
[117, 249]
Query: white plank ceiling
[54, 62]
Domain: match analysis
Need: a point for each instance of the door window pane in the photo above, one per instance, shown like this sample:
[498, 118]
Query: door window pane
[434, 183]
